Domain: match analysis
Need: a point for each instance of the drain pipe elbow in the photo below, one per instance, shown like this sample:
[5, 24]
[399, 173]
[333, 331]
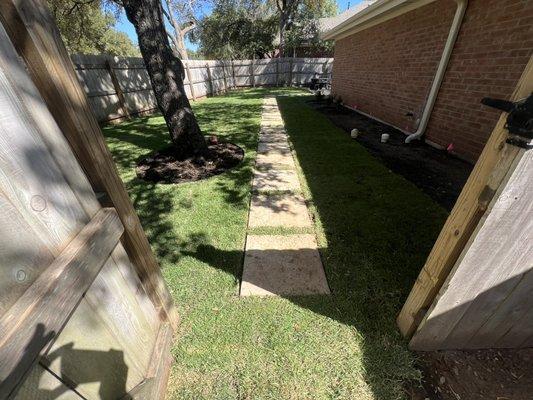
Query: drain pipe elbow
[441, 70]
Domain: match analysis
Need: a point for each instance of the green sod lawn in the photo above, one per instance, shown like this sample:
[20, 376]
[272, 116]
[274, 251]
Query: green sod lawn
[374, 230]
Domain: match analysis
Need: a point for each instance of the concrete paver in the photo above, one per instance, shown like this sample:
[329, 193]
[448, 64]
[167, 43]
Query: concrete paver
[281, 265]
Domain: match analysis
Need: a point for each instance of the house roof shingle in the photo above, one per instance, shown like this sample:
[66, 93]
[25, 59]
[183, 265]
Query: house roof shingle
[328, 23]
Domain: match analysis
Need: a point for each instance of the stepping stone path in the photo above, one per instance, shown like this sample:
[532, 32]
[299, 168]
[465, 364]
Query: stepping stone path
[283, 265]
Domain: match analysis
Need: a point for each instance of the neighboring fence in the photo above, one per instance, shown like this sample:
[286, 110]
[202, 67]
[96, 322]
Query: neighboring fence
[120, 86]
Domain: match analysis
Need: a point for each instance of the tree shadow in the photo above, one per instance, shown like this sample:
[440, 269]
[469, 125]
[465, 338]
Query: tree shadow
[377, 228]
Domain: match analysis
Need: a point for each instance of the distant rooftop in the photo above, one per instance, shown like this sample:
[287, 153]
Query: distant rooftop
[326, 24]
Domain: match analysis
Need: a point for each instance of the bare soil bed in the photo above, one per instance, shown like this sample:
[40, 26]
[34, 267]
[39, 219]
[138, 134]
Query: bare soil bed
[436, 172]
[163, 166]
[505, 374]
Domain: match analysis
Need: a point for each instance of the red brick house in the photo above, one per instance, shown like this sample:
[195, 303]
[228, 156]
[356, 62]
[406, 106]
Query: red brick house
[424, 65]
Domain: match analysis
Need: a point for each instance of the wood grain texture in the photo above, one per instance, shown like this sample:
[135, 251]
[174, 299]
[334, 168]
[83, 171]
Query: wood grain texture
[43, 385]
[154, 386]
[117, 88]
[45, 200]
[160, 363]
[35, 36]
[88, 354]
[484, 301]
[189, 80]
[212, 89]
[41, 312]
[488, 173]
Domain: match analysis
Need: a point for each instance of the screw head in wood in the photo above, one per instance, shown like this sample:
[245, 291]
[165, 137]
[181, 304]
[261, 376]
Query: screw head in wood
[38, 203]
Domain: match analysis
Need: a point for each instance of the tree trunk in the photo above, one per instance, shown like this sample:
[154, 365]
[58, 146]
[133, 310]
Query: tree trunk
[182, 49]
[283, 19]
[166, 75]
[178, 46]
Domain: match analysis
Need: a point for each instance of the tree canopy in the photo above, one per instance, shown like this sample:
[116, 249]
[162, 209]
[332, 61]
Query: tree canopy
[303, 31]
[259, 28]
[88, 28]
[237, 29]
[182, 17]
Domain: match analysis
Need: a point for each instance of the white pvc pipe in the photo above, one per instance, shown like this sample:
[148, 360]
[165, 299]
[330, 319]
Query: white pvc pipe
[441, 70]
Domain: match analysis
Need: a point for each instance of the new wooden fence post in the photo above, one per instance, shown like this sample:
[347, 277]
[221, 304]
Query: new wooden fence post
[34, 34]
[191, 84]
[109, 64]
[252, 77]
[211, 87]
[487, 175]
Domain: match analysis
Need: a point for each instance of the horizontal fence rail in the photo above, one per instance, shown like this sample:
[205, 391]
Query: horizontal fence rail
[118, 87]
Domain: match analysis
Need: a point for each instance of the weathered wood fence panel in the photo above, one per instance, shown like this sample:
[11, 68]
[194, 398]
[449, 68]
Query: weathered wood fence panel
[487, 176]
[78, 315]
[76, 304]
[202, 78]
[482, 263]
[486, 301]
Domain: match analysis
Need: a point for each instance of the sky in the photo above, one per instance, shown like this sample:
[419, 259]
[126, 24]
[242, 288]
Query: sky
[124, 25]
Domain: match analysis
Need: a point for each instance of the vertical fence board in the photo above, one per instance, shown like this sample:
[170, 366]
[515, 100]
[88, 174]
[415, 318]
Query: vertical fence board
[202, 78]
[486, 177]
[35, 36]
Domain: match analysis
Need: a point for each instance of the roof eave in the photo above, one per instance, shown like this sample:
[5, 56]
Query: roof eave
[374, 14]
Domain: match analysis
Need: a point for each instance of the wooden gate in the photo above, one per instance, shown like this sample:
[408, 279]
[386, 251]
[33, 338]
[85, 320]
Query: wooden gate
[482, 263]
[80, 317]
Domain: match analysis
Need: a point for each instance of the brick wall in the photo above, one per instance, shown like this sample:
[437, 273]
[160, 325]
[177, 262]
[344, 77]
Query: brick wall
[492, 50]
[387, 70]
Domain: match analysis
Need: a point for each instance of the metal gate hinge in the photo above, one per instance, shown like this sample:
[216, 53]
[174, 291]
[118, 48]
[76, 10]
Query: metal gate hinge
[519, 119]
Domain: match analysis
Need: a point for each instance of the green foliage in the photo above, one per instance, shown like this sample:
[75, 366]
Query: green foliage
[304, 30]
[250, 28]
[374, 229]
[88, 28]
[237, 29]
[195, 55]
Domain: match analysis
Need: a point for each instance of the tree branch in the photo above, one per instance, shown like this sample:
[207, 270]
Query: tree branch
[188, 28]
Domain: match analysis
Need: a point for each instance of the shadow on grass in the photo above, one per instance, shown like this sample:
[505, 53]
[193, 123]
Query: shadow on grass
[375, 228]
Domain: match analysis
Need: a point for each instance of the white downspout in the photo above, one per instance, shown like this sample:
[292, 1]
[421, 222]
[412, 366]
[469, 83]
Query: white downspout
[441, 70]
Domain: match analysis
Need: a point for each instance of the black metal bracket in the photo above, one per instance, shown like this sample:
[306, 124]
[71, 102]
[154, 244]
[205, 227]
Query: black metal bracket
[519, 121]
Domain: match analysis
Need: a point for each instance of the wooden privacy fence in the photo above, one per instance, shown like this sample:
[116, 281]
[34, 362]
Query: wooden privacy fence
[84, 310]
[475, 289]
[120, 86]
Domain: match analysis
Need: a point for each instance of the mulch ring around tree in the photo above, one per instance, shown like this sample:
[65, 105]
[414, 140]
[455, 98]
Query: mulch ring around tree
[163, 165]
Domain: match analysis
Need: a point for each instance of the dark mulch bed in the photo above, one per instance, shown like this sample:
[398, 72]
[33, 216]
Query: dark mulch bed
[503, 374]
[436, 172]
[163, 165]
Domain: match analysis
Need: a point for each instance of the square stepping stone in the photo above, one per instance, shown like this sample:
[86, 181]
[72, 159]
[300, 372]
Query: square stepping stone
[272, 130]
[265, 159]
[269, 122]
[276, 179]
[274, 147]
[287, 209]
[283, 266]
[272, 137]
[272, 121]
